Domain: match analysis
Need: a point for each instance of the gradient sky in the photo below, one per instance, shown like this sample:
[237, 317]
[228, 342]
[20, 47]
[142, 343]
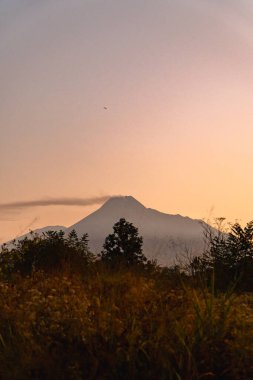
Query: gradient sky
[177, 78]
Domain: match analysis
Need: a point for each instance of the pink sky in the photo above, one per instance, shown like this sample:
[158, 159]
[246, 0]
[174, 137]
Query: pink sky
[177, 79]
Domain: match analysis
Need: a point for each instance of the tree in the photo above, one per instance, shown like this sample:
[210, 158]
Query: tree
[229, 257]
[49, 251]
[124, 246]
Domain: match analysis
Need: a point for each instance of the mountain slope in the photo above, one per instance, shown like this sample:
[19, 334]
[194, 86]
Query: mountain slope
[39, 231]
[165, 236]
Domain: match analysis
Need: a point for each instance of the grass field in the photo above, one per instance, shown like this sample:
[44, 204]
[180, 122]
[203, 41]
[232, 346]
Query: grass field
[124, 324]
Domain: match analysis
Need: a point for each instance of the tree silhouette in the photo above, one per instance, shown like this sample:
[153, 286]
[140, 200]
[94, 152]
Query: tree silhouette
[229, 257]
[124, 246]
[49, 251]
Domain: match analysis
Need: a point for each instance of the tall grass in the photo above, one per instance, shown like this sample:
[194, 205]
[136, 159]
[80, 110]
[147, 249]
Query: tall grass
[128, 324]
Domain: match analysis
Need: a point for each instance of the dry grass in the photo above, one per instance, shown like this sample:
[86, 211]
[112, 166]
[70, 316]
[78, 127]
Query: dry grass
[124, 325]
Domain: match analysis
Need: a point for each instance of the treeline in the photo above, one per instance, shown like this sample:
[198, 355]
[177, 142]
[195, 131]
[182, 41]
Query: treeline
[66, 314]
[227, 261]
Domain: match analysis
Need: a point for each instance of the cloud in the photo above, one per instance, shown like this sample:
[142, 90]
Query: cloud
[18, 205]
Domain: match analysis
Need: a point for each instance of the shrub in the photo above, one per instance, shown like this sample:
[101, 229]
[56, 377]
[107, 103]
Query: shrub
[228, 259]
[48, 252]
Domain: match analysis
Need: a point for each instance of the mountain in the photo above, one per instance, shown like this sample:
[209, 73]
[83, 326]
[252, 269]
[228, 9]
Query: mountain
[165, 236]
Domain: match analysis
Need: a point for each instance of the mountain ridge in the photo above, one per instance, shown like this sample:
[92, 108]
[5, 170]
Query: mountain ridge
[165, 236]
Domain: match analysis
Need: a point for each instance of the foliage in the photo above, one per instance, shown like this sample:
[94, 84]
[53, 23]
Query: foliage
[229, 257]
[124, 246]
[50, 251]
[65, 315]
[125, 325]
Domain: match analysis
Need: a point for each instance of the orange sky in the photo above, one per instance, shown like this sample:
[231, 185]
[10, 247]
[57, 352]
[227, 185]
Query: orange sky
[177, 79]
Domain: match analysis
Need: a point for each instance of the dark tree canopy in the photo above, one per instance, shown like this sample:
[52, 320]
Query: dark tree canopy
[229, 256]
[124, 245]
[48, 251]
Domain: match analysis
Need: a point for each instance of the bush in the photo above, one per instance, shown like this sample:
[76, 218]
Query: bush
[51, 251]
[228, 260]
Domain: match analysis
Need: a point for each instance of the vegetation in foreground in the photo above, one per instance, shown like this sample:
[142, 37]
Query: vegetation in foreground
[66, 315]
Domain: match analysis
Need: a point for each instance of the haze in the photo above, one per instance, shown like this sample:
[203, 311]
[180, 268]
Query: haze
[147, 98]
